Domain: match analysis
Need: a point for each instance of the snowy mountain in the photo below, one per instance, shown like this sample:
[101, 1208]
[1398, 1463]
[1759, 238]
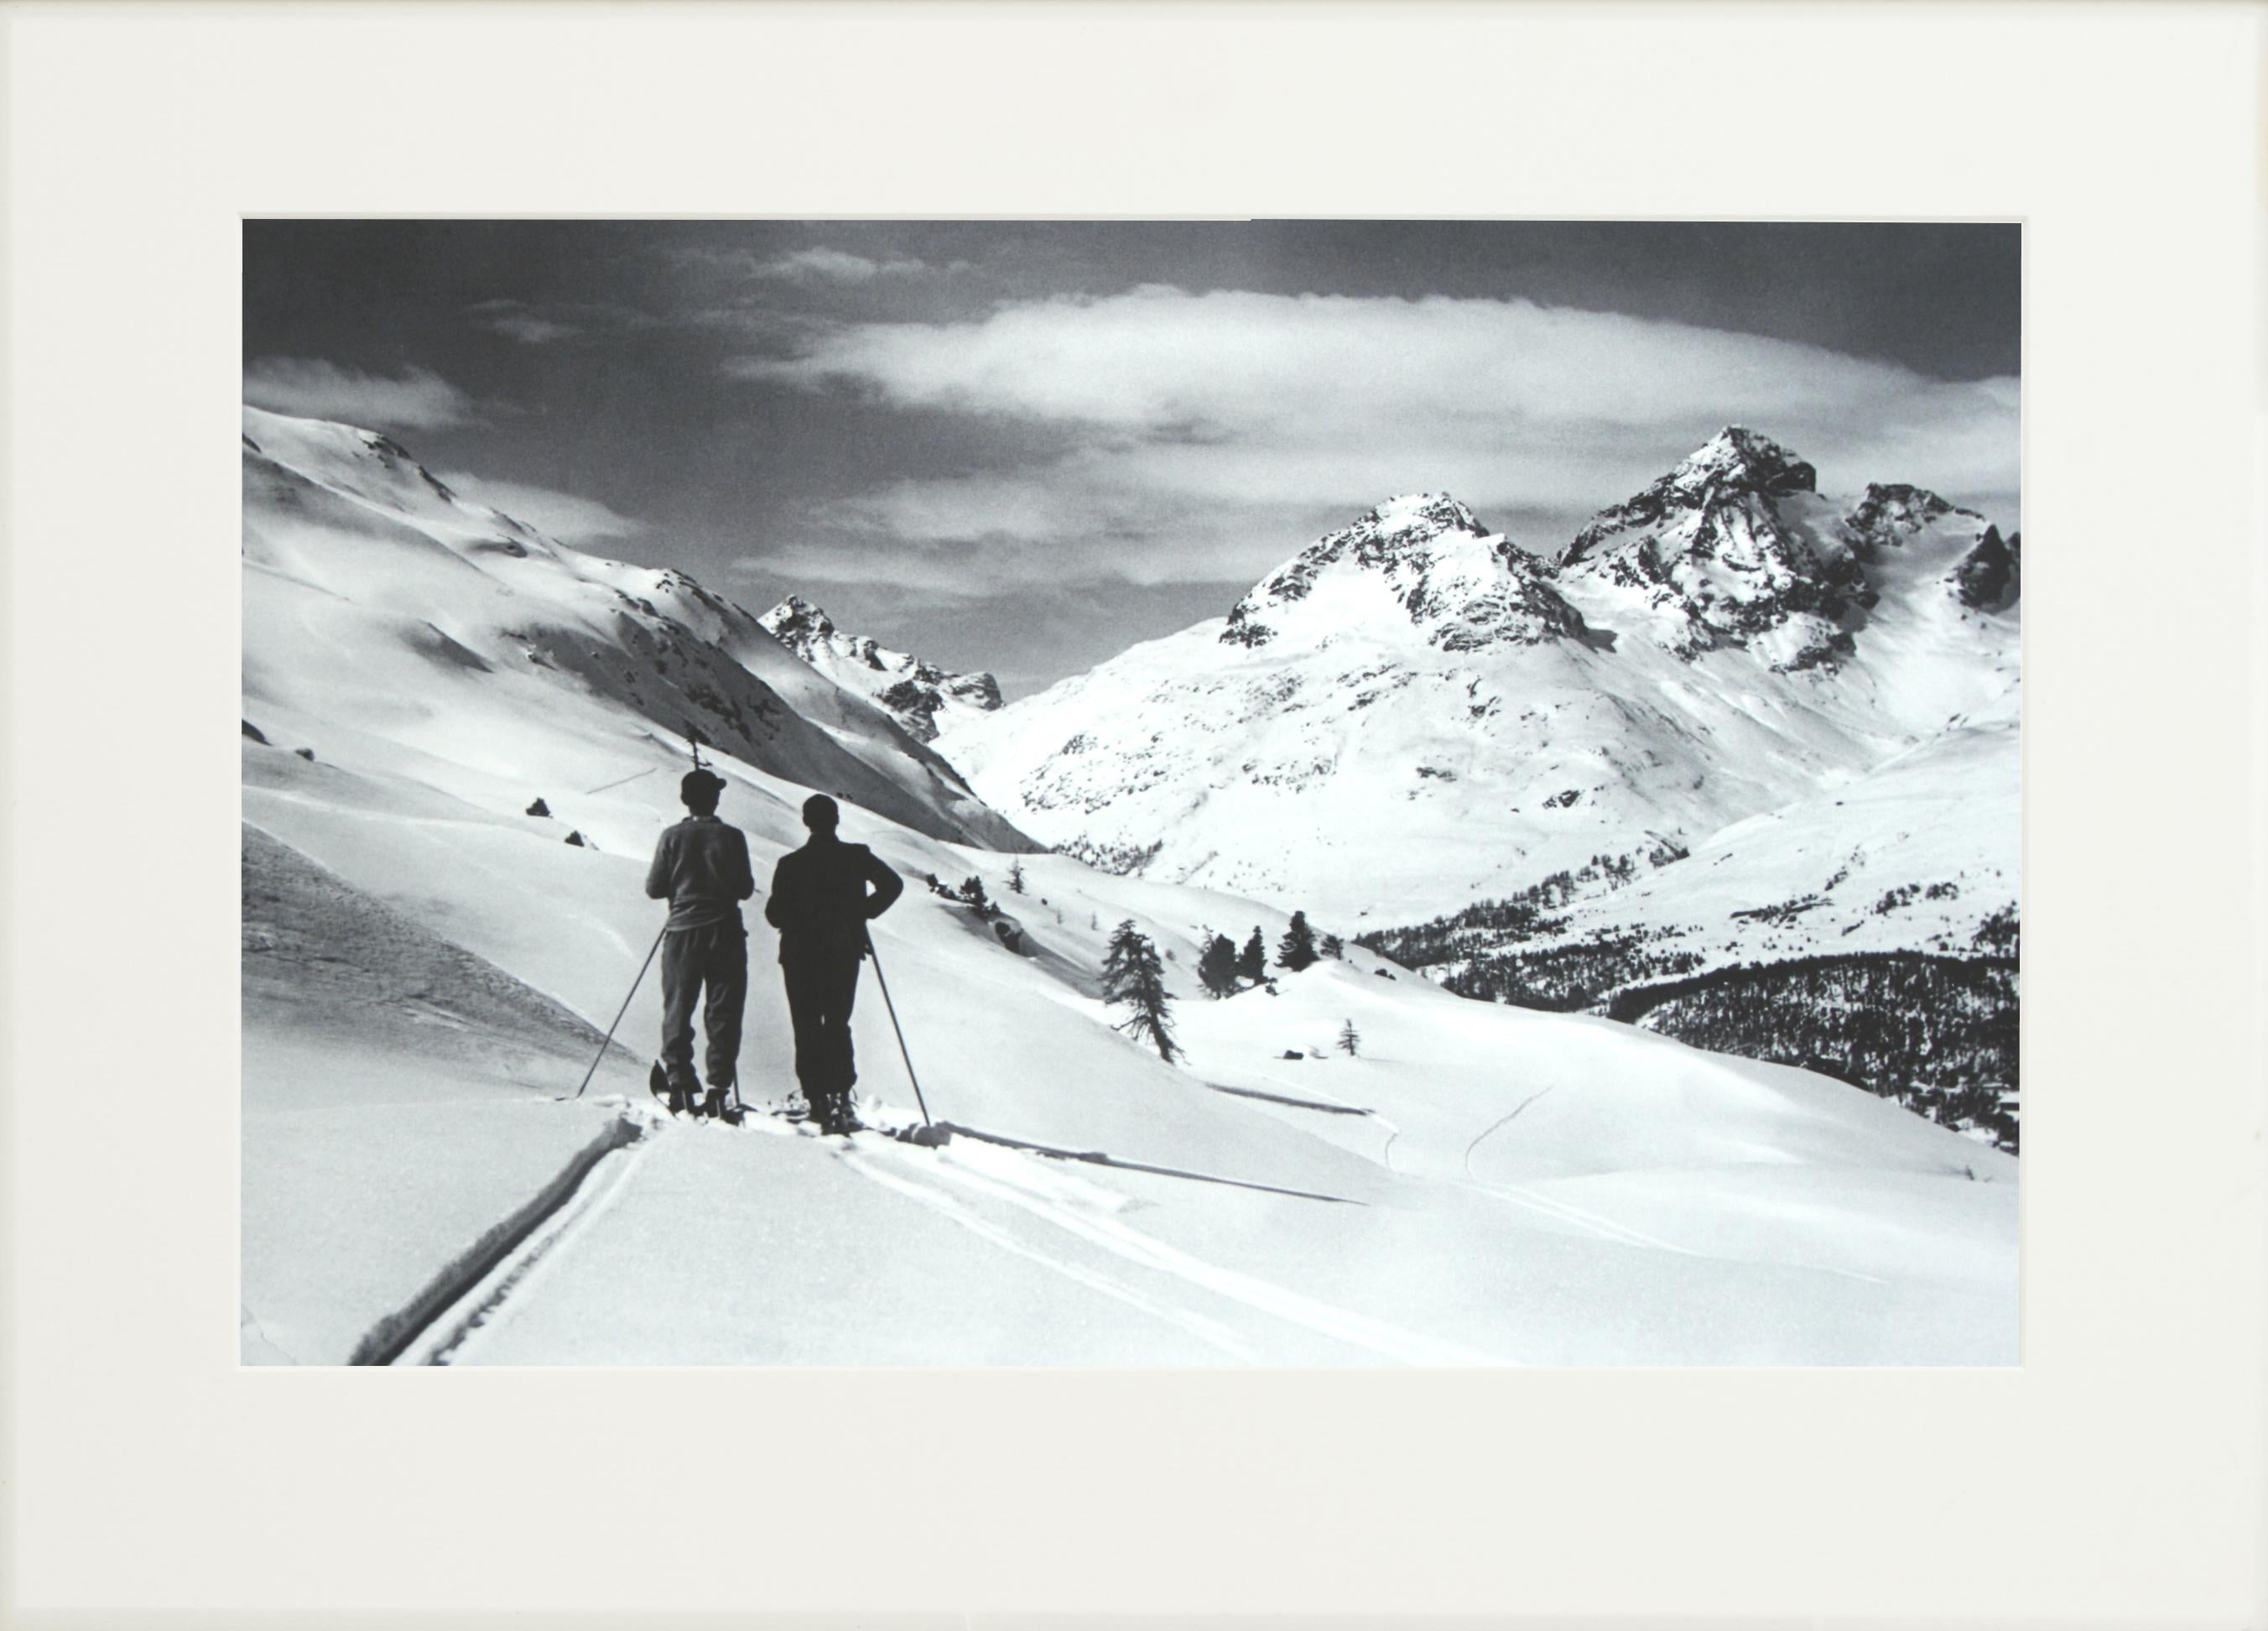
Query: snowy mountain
[1464, 588]
[1735, 722]
[1733, 548]
[1414, 713]
[429, 962]
[918, 695]
[367, 580]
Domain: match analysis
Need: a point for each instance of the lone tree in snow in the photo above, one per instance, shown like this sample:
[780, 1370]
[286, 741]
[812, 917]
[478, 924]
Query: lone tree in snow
[1252, 963]
[1349, 1039]
[1015, 877]
[1296, 950]
[1217, 967]
[1134, 978]
[972, 891]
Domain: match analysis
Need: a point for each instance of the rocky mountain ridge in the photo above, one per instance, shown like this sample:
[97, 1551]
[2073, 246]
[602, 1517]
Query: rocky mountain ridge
[916, 693]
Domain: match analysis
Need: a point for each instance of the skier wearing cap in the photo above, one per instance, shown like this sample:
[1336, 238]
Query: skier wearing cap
[700, 867]
[820, 906]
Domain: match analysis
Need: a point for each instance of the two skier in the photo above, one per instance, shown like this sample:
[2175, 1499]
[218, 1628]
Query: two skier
[820, 906]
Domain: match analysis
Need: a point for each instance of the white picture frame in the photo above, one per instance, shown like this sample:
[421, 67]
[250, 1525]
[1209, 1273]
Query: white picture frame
[2116, 1476]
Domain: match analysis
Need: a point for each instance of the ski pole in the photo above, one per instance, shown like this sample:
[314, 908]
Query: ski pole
[896, 1027]
[632, 777]
[608, 1040]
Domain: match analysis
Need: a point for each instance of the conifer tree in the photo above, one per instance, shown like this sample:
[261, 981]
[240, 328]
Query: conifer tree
[1296, 950]
[1016, 877]
[1252, 963]
[1334, 947]
[1349, 1039]
[1132, 977]
[1217, 967]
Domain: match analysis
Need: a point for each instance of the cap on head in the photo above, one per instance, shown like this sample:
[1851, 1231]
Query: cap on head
[699, 790]
[821, 813]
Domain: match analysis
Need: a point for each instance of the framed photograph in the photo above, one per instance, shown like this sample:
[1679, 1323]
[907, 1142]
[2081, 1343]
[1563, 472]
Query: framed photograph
[1209, 811]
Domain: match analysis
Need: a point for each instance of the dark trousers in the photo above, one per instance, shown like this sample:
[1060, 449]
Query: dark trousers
[712, 959]
[820, 988]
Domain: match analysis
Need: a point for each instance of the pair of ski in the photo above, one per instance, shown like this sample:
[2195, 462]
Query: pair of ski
[687, 1107]
[693, 1106]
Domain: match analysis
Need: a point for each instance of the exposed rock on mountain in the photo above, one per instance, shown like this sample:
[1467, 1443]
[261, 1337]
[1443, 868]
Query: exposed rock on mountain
[1990, 576]
[918, 695]
[1735, 548]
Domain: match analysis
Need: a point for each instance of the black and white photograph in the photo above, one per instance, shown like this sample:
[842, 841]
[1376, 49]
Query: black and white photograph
[1099, 816]
[1133, 793]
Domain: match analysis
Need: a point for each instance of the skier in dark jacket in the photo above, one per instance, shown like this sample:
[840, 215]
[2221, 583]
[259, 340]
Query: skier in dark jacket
[701, 867]
[820, 906]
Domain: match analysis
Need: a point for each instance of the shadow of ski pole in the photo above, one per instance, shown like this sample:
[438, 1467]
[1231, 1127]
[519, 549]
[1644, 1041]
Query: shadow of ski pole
[1095, 1157]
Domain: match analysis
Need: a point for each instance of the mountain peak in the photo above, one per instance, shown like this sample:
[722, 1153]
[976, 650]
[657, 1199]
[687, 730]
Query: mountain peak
[1422, 514]
[1889, 513]
[1722, 551]
[1731, 467]
[795, 619]
[1739, 457]
[1424, 552]
[916, 693]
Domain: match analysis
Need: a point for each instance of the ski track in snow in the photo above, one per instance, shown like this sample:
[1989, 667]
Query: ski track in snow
[1210, 1331]
[464, 1329]
[490, 1305]
[1340, 1325]
[1500, 1121]
[1622, 1233]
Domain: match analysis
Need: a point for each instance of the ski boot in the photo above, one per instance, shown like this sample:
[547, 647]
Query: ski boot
[679, 1102]
[722, 1104]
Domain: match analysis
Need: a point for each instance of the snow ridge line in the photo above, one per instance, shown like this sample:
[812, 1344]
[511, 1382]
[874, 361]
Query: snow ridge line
[393, 1335]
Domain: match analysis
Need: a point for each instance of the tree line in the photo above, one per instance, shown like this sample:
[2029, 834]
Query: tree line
[1134, 977]
[1938, 1034]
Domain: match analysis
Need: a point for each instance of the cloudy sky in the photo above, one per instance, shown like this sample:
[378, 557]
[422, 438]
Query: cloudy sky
[1022, 446]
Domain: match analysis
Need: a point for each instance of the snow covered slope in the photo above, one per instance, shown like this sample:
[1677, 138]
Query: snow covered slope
[1478, 1185]
[427, 964]
[1414, 713]
[379, 602]
[918, 695]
